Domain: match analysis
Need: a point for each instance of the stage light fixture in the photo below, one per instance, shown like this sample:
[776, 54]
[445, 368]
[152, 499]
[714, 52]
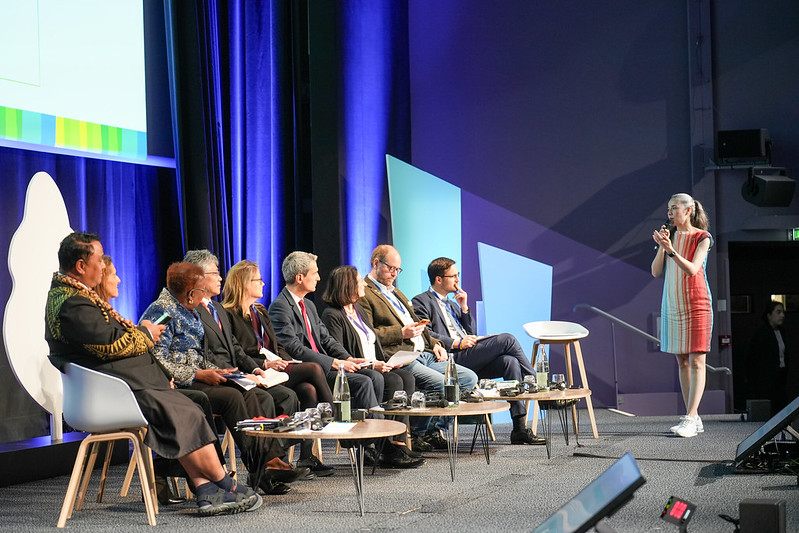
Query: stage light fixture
[768, 187]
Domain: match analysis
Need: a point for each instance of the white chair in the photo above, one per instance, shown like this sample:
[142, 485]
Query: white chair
[568, 334]
[104, 406]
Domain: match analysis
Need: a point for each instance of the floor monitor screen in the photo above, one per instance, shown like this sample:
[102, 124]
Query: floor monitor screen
[774, 425]
[602, 497]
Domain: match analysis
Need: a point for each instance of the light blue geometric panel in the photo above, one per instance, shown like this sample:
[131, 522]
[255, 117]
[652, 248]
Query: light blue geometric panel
[508, 306]
[425, 222]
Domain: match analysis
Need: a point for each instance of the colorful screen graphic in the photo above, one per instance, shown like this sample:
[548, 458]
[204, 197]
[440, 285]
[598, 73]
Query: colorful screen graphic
[72, 76]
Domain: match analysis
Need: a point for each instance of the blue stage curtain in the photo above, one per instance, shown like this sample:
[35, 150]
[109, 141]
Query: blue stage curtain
[233, 100]
[376, 117]
[131, 208]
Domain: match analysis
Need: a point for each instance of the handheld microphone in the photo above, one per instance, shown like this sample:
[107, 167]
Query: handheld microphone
[668, 227]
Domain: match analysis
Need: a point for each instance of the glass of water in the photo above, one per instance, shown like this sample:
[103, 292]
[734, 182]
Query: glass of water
[417, 400]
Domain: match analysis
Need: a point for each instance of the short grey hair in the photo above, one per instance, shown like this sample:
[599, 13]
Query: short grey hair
[296, 263]
[203, 258]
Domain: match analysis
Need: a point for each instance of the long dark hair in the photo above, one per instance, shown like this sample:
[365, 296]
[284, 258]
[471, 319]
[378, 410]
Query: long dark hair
[342, 286]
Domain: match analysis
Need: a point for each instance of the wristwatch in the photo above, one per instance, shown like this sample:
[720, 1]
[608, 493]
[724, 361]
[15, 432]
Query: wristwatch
[671, 254]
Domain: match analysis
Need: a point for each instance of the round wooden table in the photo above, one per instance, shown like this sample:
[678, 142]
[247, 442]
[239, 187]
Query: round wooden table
[553, 399]
[481, 409]
[367, 429]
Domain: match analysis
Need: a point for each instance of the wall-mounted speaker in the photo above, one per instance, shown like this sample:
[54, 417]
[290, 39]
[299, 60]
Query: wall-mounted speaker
[768, 187]
[743, 147]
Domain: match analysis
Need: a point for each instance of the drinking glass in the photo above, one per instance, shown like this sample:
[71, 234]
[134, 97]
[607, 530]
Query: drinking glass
[325, 412]
[401, 398]
[417, 400]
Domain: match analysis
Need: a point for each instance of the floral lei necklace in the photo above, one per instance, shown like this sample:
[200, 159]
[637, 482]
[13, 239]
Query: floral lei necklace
[104, 306]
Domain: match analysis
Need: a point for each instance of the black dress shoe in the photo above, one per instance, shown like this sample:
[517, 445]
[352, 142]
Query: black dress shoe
[436, 440]
[393, 457]
[410, 453]
[316, 466]
[370, 456]
[525, 436]
[420, 445]
[400, 461]
[287, 476]
[271, 487]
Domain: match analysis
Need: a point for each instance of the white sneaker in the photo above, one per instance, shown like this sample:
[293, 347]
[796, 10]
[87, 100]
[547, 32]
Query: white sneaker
[688, 428]
[699, 427]
[675, 427]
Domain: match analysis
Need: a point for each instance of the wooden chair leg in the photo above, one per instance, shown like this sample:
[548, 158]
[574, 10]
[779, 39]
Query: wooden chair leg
[584, 383]
[148, 491]
[317, 449]
[72, 488]
[87, 475]
[490, 429]
[128, 477]
[536, 411]
[229, 447]
[109, 449]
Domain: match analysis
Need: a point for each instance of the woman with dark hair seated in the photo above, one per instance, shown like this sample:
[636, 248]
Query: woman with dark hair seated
[109, 288]
[347, 325]
[181, 351]
[256, 335]
[84, 329]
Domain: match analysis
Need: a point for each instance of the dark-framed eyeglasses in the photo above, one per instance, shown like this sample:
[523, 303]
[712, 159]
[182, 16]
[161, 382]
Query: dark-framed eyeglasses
[455, 275]
[393, 270]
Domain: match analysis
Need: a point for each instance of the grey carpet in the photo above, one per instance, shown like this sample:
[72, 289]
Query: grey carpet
[515, 492]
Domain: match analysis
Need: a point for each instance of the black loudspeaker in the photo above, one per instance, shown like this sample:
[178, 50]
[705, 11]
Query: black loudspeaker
[768, 187]
[758, 410]
[762, 516]
[743, 146]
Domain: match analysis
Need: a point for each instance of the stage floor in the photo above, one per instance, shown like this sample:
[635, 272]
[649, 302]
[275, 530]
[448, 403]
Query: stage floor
[517, 491]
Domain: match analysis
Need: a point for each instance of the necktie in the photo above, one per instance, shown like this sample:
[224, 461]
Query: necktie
[308, 326]
[455, 322]
[214, 313]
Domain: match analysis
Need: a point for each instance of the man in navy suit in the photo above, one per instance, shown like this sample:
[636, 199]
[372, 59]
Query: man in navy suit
[451, 323]
[305, 337]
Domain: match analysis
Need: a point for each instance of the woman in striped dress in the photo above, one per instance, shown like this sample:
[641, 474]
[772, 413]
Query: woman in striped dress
[686, 309]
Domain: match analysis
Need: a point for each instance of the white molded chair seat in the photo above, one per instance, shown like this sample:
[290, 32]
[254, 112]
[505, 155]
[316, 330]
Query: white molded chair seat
[555, 330]
[104, 406]
[568, 334]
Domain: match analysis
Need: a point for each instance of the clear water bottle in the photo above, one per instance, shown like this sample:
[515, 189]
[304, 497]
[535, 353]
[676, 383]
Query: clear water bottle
[542, 369]
[341, 397]
[452, 391]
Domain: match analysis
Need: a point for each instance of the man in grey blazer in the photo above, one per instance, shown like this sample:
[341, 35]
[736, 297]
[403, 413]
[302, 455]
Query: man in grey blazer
[451, 323]
[305, 337]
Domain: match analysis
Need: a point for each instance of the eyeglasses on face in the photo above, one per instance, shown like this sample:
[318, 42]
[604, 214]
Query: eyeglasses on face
[455, 275]
[393, 270]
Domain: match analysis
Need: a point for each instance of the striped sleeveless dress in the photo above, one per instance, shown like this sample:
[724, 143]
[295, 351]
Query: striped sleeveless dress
[686, 311]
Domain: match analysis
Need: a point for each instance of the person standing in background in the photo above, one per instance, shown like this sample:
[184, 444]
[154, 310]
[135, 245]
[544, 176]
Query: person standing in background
[769, 360]
[686, 308]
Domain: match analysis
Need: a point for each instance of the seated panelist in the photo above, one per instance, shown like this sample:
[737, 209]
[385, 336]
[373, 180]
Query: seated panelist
[348, 326]
[451, 323]
[302, 333]
[84, 329]
[398, 328]
[109, 288]
[181, 351]
[255, 334]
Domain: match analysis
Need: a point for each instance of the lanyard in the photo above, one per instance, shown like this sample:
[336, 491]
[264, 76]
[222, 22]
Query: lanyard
[394, 301]
[360, 324]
